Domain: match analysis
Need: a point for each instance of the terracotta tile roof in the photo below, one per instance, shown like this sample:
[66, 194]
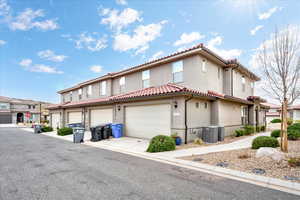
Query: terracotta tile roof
[272, 114]
[237, 99]
[254, 98]
[271, 105]
[167, 89]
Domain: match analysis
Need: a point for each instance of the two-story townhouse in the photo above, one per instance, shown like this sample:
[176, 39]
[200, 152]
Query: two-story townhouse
[13, 110]
[174, 94]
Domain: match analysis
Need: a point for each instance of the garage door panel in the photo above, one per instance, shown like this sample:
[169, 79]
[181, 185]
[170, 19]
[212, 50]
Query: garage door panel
[5, 118]
[148, 121]
[101, 116]
[74, 117]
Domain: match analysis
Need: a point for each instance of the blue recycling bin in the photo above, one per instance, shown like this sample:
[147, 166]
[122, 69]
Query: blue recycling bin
[117, 130]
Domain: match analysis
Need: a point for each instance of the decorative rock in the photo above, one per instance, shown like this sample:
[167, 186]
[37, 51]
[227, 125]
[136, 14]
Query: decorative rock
[270, 152]
[197, 159]
[292, 178]
[222, 164]
[258, 171]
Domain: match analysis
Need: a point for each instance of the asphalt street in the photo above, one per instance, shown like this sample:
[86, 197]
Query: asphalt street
[34, 166]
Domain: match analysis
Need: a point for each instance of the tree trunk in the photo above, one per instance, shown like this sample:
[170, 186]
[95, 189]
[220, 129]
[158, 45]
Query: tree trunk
[284, 141]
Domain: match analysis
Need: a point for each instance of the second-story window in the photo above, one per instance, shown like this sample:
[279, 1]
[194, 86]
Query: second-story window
[122, 84]
[177, 71]
[33, 107]
[29, 106]
[243, 84]
[71, 96]
[80, 93]
[204, 65]
[146, 78]
[89, 92]
[103, 88]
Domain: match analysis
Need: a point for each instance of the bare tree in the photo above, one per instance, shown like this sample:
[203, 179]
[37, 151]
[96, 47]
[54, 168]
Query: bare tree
[279, 59]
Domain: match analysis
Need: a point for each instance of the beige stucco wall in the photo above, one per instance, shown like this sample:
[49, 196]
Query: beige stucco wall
[238, 86]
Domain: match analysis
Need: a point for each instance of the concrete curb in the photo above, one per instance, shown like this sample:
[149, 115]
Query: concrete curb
[268, 182]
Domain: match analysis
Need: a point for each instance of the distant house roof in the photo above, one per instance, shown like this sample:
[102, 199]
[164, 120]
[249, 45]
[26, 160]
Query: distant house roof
[169, 89]
[273, 114]
[271, 105]
[20, 101]
[200, 48]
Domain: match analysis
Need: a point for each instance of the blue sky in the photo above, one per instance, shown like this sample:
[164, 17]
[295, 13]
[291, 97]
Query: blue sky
[48, 45]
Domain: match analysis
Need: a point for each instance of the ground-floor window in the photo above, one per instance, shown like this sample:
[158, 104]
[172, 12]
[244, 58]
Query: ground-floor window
[244, 115]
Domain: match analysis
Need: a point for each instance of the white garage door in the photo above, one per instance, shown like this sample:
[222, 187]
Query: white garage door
[148, 121]
[74, 117]
[101, 116]
[55, 120]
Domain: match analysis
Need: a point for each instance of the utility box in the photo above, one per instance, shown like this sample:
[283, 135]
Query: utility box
[221, 133]
[210, 134]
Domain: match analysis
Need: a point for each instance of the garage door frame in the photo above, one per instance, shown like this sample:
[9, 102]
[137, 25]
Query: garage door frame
[75, 111]
[146, 105]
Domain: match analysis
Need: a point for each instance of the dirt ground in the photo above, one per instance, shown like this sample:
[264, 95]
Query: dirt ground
[245, 160]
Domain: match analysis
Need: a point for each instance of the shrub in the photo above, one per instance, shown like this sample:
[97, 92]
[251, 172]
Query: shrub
[294, 162]
[239, 132]
[65, 131]
[198, 141]
[276, 121]
[249, 129]
[257, 129]
[275, 133]
[289, 121]
[293, 135]
[161, 143]
[263, 128]
[295, 126]
[264, 141]
[47, 129]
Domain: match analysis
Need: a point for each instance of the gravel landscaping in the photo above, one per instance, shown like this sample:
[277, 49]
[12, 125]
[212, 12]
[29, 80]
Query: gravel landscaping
[245, 160]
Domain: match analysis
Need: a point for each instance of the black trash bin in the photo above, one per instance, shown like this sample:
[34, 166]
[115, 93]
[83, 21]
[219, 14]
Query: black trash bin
[107, 132]
[97, 133]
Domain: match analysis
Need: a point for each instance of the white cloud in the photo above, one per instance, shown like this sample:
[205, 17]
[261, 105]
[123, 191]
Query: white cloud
[50, 55]
[27, 65]
[96, 68]
[4, 8]
[25, 62]
[255, 29]
[121, 2]
[140, 39]
[92, 42]
[118, 20]
[227, 54]
[156, 55]
[269, 13]
[45, 69]
[2, 42]
[187, 38]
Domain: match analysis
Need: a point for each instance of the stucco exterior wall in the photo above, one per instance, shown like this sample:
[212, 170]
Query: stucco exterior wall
[238, 86]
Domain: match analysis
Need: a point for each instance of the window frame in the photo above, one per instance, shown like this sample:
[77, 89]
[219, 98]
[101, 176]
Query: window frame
[103, 87]
[177, 72]
[122, 82]
[89, 91]
[146, 78]
[243, 83]
[80, 93]
[204, 68]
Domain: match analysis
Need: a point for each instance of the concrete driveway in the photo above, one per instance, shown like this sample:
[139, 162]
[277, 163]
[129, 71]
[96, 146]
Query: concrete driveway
[35, 166]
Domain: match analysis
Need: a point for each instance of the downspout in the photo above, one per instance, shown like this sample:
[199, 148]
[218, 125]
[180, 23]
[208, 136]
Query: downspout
[185, 118]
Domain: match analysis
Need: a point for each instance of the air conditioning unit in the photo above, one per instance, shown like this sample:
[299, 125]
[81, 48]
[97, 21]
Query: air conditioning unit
[210, 134]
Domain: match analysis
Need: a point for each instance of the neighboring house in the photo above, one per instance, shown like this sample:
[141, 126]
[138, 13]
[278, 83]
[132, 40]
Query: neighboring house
[14, 110]
[294, 112]
[174, 94]
[273, 112]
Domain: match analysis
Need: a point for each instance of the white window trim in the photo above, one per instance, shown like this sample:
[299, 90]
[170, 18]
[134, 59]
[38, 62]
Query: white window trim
[122, 81]
[146, 78]
[90, 90]
[103, 88]
[175, 71]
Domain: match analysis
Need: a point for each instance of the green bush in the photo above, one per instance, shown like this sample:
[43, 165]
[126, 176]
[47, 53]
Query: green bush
[276, 121]
[295, 126]
[47, 129]
[65, 131]
[263, 128]
[161, 143]
[239, 132]
[275, 133]
[249, 129]
[293, 135]
[257, 129]
[289, 121]
[264, 141]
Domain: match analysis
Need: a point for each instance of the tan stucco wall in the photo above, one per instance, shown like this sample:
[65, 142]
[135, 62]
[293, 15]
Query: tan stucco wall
[238, 86]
